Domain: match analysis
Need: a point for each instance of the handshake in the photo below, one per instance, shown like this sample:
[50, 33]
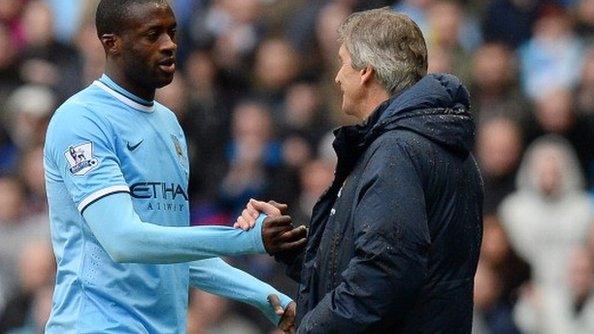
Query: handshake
[282, 240]
[279, 236]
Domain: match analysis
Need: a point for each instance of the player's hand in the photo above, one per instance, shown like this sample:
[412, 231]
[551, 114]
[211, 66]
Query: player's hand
[248, 217]
[287, 321]
[279, 235]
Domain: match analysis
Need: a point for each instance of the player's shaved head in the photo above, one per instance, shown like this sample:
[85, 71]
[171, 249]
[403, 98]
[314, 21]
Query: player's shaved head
[112, 15]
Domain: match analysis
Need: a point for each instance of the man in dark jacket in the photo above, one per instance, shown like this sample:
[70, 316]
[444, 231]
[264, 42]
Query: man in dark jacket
[393, 244]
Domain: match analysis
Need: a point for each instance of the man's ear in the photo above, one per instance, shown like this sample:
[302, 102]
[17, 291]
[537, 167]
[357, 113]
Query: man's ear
[366, 74]
[111, 43]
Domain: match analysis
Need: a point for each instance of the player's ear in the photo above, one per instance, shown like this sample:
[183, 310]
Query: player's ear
[111, 43]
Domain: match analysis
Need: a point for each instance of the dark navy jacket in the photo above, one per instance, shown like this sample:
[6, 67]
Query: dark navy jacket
[394, 242]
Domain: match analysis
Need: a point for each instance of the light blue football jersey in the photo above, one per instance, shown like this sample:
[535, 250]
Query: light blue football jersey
[101, 141]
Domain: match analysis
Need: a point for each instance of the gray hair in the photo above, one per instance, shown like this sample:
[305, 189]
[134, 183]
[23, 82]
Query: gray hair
[390, 42]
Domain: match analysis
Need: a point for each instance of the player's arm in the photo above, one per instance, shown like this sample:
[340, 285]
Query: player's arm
[126, 238]
[391, 247]
[217, 277]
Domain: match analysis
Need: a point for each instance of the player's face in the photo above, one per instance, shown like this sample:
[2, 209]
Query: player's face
[350, 83]
[149, 45]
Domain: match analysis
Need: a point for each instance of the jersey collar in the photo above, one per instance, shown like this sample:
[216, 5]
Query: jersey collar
[131, 100]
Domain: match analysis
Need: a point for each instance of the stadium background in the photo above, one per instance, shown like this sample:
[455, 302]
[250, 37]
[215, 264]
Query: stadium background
[256, 97]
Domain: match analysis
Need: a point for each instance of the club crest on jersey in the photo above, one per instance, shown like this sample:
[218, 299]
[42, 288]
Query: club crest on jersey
[177, 145]
[80, 158]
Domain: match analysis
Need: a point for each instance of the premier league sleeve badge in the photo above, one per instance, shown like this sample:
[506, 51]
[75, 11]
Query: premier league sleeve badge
[80, 158]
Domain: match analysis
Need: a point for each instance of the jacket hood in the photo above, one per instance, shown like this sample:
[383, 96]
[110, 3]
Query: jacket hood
[436, 107]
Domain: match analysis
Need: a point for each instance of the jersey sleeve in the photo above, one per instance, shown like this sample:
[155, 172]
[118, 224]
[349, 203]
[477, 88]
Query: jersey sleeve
[80, 146]
[217, 277]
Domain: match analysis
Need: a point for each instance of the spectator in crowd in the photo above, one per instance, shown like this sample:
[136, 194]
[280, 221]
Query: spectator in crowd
[276, 67]
[417, 11]
[8, 151]
[11, 16]
[547, 310]
[68, 16]
[510, 21]
[17, 231]
[327, 24]
[30, 107]
[498, 254]
[495, 88]
[252, 150]
[491, 315]
[234, 29]
[581, 292]
[207, 122]
[31, 172]
[555, 113]
[550, 213]
[450, 32]
[499, 148]
[583, 12]
[13, 206]
[91, 52]
[303, 112]
[46, 61]
[441, 60]
[546, 219]
[551, 58]
[315, 177]
[30, 307]
[8, 72]
[329, 19]
[38, 312]
[584, 99]
[256, 161]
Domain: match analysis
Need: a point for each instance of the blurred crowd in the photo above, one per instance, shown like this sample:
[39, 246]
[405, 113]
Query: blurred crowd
[256, 97]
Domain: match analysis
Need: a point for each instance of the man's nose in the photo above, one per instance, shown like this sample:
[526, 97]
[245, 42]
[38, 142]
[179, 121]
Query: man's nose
[168, 44]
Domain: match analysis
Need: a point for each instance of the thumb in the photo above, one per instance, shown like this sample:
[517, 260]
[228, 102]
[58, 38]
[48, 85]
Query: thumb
[274, 301]
[266, 208]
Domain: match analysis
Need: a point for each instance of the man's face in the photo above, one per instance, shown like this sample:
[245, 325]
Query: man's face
[149, 45]
[350, 83]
